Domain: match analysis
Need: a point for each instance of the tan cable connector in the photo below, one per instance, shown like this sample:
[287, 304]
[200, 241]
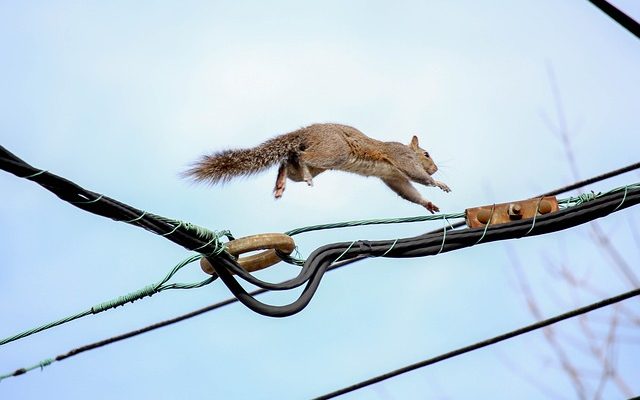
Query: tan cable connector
[264, 241]
[507, 212]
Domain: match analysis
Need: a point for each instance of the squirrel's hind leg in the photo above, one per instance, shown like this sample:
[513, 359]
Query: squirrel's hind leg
[306, 174]
[281, 181]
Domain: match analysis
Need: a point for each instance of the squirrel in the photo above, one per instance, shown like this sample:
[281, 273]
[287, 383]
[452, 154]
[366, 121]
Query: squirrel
[309, 151]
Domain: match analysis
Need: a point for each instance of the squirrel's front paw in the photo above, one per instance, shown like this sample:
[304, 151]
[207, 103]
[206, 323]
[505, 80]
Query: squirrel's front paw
[442, 186]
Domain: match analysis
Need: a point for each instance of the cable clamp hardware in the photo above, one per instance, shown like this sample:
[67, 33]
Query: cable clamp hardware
[270, 242]
[506, 212]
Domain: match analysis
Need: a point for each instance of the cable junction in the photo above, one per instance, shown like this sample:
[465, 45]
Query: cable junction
[575, 211]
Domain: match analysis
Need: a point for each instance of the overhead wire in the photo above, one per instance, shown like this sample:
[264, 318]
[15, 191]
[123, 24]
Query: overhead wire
[200, 239]
[573, 186]
[633, 27]
[149, 328]
[484, 343]
[619, 16]
[431, 244]
[194, 238]
[334, 265]
[146, 291]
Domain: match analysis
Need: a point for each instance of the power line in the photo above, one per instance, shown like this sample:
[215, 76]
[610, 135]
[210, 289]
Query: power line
[320, 260]
[617, 15]
[594, 179]
[573, 186]
[484, 343]
[146, 291]
[432, 244]
[205, 242]
[324, 258]
[152, 327]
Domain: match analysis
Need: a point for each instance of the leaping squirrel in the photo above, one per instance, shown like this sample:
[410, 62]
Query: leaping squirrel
[309, 151]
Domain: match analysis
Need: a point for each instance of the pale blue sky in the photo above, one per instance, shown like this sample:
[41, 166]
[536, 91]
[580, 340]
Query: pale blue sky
[121, 96]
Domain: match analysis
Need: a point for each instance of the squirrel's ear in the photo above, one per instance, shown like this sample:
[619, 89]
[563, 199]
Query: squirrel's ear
[414, 142]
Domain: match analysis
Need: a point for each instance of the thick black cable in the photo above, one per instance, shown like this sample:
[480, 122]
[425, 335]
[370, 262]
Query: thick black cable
[573, 186]
[411, 247]
[617, 15]
[484, 343]
[110, 208]
[53, 183]
[107, 207]
[128, 335]
[313, 270]
[431, 244]
[102, 205]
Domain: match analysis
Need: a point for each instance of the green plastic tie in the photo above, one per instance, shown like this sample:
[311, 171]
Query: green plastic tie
[444, 234]
[97, 199]
[626, 188]
[535, 215]
[345, 251]
[390, 248]
[42, 171]
[137, 218]
[493, 208]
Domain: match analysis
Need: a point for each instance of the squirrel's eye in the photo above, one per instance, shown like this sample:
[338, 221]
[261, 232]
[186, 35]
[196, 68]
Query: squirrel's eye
[426, 154]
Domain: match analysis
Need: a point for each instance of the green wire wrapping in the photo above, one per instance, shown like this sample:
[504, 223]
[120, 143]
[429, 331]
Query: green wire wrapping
[146, 291]
[347, 224]
[214, 237]
[41, 365]
[589, 196]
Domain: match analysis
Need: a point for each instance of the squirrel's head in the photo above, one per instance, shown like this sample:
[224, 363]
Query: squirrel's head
[423, 156]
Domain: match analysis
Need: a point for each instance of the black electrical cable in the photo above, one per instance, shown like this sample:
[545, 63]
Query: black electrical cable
[573, 186]
[102, 205]
[411, 247]
[431, 244]
[484, 343]
[107, 207]
[589, 181]
[620, 17]
[312, 271]
[57, 184]
[168, 322]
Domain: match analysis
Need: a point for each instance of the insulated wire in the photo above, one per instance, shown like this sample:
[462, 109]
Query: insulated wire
[483, 343]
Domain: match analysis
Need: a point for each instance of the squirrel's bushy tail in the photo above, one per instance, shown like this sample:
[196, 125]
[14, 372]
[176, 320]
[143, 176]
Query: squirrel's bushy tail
[222, 166]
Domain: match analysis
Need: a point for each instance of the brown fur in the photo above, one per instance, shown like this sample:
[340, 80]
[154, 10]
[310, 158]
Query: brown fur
[309, 151]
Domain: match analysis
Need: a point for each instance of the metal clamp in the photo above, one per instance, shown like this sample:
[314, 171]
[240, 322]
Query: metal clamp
[264, 241]
[497, 214]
